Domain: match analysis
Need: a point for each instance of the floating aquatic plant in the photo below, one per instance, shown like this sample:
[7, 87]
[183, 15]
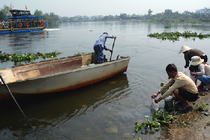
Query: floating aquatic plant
[157, 118]
[174, 36]
[77, 54]
[27, 56]
[162, 116]
[147, 124]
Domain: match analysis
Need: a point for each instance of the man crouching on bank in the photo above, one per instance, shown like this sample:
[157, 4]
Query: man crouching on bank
[182, 86]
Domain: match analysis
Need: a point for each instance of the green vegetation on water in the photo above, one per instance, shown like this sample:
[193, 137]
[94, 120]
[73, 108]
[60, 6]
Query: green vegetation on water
[158, 117]
[27, 56]
[162, 116]
[77, 54]
[174, 36]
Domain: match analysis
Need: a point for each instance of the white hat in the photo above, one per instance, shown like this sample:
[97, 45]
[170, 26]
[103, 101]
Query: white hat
[196, 60]
[184, 49]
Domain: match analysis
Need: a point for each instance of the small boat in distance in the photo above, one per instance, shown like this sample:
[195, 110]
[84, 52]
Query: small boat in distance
[22, 21]
[58, 75]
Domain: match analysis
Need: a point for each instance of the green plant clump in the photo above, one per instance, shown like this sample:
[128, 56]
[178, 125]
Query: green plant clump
[27, 56]
[162, 116]
[174, 36]
[157, 118]
[147, 124]
[78, 54]
[201, 106]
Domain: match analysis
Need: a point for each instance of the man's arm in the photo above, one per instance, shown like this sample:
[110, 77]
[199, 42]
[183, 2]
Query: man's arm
[164, 87]
[109, 36]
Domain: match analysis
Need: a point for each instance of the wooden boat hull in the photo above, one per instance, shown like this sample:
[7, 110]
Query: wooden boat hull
[63, 80]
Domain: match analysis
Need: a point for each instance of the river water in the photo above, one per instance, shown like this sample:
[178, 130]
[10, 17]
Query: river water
[106, 110]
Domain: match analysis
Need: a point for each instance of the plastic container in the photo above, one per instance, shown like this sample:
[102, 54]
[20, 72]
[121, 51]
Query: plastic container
[154, 106]
[169, 103]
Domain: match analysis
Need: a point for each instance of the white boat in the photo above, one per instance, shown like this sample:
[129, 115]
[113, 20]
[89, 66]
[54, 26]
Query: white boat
[58, 75]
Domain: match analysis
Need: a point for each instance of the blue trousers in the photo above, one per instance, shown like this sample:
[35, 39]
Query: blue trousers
[204, 78]
[99, 53]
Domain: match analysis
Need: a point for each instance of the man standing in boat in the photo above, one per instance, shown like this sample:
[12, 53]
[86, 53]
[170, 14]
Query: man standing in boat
[99, 46]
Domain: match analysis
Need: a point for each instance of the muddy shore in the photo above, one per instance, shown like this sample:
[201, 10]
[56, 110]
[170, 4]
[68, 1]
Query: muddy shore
[193, 125]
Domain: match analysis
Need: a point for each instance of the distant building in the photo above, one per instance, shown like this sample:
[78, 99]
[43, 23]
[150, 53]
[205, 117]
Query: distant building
[187, 13]
[205, 10]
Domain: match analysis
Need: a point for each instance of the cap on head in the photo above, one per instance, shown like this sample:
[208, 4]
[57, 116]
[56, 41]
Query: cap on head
[184, 49]
[196, 60]
[105, 33]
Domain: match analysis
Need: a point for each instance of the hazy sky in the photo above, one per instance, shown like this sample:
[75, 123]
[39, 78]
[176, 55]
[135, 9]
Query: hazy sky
[71, 8]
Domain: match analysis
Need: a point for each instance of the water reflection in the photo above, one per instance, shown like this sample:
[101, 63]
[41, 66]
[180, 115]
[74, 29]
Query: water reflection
[21, 42]
[25, 39]
[50, 110]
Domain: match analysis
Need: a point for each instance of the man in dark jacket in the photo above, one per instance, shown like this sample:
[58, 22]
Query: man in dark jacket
[189, 53]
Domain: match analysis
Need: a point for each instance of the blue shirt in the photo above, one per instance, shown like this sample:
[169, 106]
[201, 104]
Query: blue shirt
[102, 40]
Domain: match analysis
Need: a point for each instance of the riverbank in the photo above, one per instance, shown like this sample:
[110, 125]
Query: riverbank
[193, 125]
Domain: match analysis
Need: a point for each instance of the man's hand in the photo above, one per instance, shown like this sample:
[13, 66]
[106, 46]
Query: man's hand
[115, 37]
[158, 100]
[110, 50]
[193, 73]
[154, 96]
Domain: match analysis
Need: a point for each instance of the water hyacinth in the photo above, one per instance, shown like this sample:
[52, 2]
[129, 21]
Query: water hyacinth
[27, 56]
[159, 117]
[174, 36]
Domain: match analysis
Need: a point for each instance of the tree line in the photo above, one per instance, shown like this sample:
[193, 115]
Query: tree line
[166, 16]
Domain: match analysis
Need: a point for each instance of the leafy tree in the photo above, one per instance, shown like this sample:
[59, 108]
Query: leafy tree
[149, 12]
[168, 13]
[52, 19]
[123, 16]
[2, 16]
[38, 13]
[4, 12]
[64, 19]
